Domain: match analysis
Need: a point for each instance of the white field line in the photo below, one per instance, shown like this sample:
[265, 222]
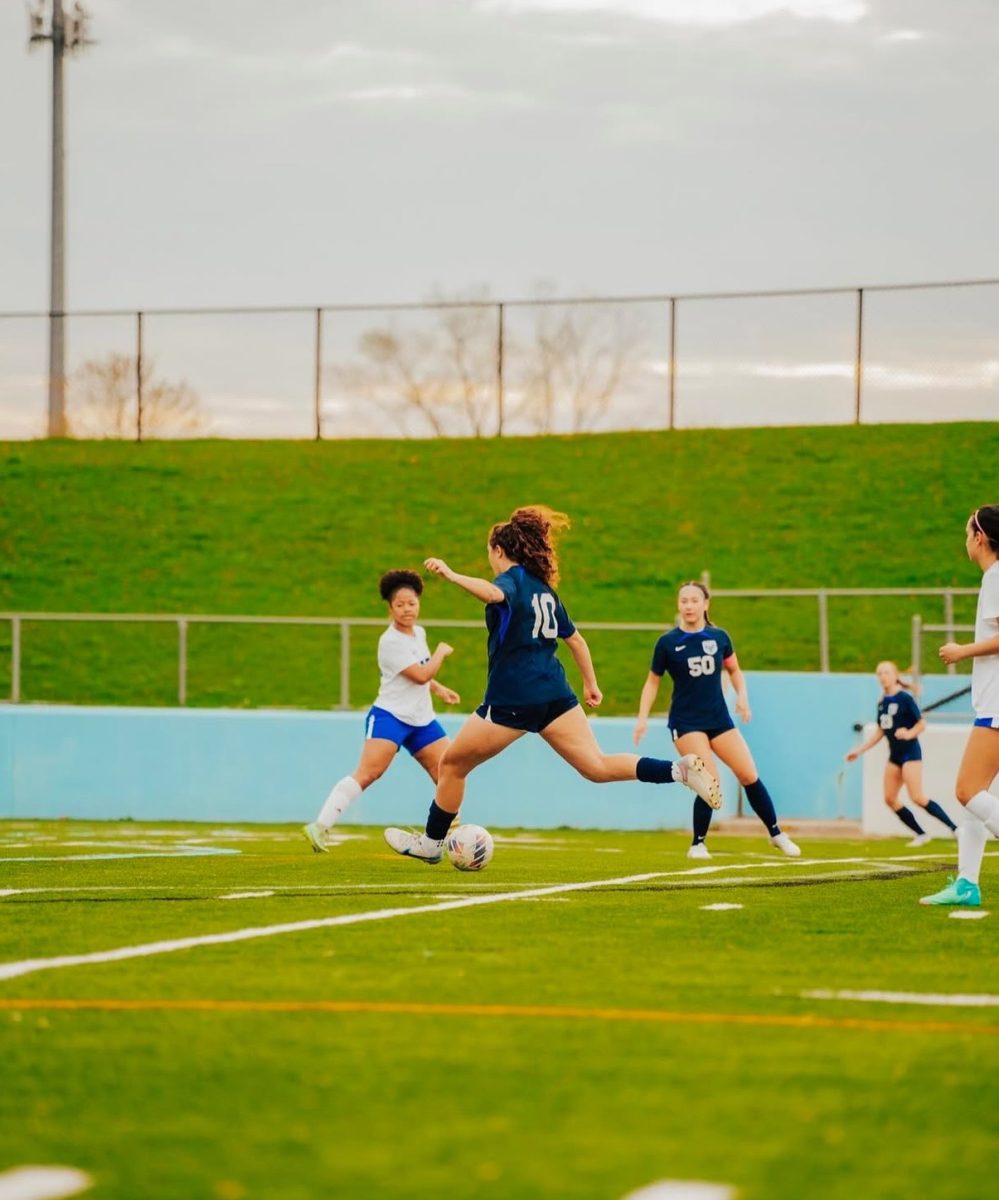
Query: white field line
[13, 970]
[179, 852]
[43, 1183]
[683, 1189]
[969, 914]
[933, 999]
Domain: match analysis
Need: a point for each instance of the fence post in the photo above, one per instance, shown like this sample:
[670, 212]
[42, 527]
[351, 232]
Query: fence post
[182, 661]
[949, 622]
[138, 377]
[317, 390]
[672, 362]
[823, 631]
[858, 366]
[500, 391]
[917, 646]
[344, 664]
[15, 660]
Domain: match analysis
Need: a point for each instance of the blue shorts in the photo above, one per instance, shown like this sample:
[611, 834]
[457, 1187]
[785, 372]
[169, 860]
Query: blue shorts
[905, 752]
[716, 731]
[383, 725]
[986, 722]
[532, 718]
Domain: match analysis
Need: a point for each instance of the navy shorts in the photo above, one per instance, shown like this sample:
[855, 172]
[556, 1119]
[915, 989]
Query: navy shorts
[679, 730]
[905, 753]
[383, 725]
[532, 718]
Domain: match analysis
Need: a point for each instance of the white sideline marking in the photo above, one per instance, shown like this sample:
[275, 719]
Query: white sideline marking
[964, 915]
[934, 999]
[13, 970]
[42, 1183]
[180, 852]
[682, 1189]
[244, 895]
[719, 907]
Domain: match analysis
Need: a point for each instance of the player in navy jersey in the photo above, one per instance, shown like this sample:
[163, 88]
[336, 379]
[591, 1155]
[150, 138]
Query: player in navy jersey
[527, 690]
[694, 655]
[900, 721]
[403, 713]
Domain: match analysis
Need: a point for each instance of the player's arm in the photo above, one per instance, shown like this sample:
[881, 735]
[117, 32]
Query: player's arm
[448, 695]
[738, 681]
[481, 589]
[580, 651]
[910, 735]
[873, 740]
[425, 672]
[953, 652]
[650, 690]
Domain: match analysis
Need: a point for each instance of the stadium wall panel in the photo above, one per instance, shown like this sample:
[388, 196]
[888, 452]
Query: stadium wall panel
[264, 765]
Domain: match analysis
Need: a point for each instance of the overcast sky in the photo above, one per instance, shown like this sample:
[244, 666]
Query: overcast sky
[255, 152]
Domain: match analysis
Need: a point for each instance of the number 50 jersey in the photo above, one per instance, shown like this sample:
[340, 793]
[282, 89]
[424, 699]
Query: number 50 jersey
[524, 629]
[694, 661]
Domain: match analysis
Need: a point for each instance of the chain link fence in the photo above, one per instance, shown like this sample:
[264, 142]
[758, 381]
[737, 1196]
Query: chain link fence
[482, 367]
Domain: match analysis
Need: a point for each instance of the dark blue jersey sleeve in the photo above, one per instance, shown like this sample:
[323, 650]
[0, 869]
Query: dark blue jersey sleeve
[563, 621]
[660, 657]
[911, 708]
[725, 647]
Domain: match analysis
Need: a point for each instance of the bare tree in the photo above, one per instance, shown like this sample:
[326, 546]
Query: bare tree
[103, 401]
[580, 357]
[445, 375]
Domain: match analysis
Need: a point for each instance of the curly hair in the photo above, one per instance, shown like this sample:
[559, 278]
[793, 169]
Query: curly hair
[392, 581]
[985, 520]
[528, 538]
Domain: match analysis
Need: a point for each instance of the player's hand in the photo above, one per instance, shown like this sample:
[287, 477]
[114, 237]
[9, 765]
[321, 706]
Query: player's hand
[444, 649]
[592, 695]
[641, 725]
[904, 735]
[437, 566]
[853, 756]
[950, 652]
[449, 696]
[743, 712]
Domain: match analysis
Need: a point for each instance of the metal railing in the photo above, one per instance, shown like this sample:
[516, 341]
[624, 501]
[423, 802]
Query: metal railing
[183, 623]
[949, 629]
[491, 367]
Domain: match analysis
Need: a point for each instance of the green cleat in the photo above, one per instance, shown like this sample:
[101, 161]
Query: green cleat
[960, 892]
[314, 836]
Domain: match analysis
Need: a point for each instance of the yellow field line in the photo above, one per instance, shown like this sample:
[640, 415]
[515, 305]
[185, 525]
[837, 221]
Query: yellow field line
[560, 1012]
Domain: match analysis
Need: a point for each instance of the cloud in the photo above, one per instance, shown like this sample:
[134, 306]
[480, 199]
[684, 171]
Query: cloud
[711, 13]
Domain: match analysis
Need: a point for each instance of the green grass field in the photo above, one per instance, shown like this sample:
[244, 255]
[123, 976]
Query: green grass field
[574, 1043]
[306, 529]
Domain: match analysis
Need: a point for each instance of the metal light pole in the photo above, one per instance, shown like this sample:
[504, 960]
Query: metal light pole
[67, 31]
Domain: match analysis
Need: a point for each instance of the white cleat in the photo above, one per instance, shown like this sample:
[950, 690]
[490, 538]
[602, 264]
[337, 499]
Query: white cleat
[414, 845]
[690, 769]
[920, 840]
[316, 837]
[783, 842]
[698, 850]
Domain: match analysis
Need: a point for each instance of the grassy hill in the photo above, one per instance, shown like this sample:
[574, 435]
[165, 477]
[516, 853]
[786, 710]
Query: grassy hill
[306, 529]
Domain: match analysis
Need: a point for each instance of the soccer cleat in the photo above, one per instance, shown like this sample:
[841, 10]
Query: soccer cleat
[920, 840]
[690, 769]
[315, 836]
[414, 845]
[783, 842]
[961, 893]
[698, 850]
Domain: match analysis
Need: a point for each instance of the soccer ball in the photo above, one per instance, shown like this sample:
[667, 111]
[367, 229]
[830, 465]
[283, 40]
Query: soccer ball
[469, 847]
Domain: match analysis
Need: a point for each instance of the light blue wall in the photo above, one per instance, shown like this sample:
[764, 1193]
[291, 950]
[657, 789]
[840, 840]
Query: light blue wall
[196, 764]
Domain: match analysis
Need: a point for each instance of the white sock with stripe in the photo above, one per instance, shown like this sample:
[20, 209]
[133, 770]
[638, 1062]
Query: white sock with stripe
[985, 806]
[338, 801]
[971, 838]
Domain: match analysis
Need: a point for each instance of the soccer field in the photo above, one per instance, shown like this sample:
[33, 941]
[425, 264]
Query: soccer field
[188, 1011]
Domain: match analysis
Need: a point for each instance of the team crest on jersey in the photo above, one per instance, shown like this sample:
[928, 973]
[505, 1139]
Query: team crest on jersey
[710, 646]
